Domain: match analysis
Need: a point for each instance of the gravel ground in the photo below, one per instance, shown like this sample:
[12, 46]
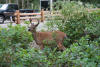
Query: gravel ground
[41, 26]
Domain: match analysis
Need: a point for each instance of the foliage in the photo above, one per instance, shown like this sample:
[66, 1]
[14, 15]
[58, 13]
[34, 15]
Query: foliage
[36, 4]
[30, 57]
[83, 53]
[28, 4]
[75, 21]
[11, 39]
[15, 51]
[81, 27]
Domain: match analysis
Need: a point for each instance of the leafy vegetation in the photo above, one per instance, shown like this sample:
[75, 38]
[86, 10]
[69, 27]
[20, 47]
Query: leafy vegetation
[12, 39]
[75, 21]
[83, 53]
[82, 44]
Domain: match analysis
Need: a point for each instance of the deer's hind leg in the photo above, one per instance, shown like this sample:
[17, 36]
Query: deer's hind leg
[41, 46]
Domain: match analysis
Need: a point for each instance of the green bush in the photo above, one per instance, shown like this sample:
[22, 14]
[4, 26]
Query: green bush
[82, 29]
[32, 57]
[75, 21]
[11, 39]
[15, 51]
[84, 53]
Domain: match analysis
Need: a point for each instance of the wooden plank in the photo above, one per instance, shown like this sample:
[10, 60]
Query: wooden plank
[27, 14]
[28, 17]
[24, 14]
[23, 18]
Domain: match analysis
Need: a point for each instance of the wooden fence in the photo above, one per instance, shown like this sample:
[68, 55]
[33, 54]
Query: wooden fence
[22, 16]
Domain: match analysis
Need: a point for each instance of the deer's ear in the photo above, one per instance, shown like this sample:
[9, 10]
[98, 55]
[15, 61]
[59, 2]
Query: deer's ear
[30, 20]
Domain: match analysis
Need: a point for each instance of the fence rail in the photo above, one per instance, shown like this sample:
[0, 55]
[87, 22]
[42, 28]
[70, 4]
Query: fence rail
[22, 16]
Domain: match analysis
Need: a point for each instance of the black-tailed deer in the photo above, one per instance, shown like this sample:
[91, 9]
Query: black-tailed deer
[40, 37]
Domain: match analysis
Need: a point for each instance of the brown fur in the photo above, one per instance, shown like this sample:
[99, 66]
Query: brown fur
[39, 37]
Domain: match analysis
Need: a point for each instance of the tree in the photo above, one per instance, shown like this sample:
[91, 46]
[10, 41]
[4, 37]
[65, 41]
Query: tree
[22, 4]
[10, 1]
[27, 3]
[6, 1]
[17, 1]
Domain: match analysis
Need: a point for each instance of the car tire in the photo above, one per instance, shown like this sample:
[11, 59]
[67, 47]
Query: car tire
[1, 19]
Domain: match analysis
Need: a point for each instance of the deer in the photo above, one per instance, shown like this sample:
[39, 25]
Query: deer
[39, 37]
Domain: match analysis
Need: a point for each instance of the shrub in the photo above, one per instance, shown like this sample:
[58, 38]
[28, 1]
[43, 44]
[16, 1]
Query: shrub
[84, 53]
[38, 58]
[75, 21]
[11, 39]
[14, 50]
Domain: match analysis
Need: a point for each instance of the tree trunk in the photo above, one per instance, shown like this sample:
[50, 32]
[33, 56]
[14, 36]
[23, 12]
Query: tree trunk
[17, 1]
[27, 3]
[22, 4]
[6, 1]
[9, 1]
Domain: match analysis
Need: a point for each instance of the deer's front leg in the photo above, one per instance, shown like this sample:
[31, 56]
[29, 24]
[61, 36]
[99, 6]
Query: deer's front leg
[60, 46]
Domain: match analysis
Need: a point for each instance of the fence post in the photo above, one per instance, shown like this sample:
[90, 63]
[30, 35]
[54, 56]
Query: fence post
[42, 15]
[18, 17]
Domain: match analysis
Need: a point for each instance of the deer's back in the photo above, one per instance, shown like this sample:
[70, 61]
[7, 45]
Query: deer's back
[57, 35]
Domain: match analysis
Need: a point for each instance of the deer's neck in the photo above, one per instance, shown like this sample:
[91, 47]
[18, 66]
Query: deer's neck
[34, 34]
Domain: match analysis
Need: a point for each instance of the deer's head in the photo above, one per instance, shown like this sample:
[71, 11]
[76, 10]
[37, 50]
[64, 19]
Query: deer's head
[32, 27]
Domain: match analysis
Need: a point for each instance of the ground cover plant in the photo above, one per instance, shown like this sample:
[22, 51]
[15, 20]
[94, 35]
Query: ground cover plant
[82, 44]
